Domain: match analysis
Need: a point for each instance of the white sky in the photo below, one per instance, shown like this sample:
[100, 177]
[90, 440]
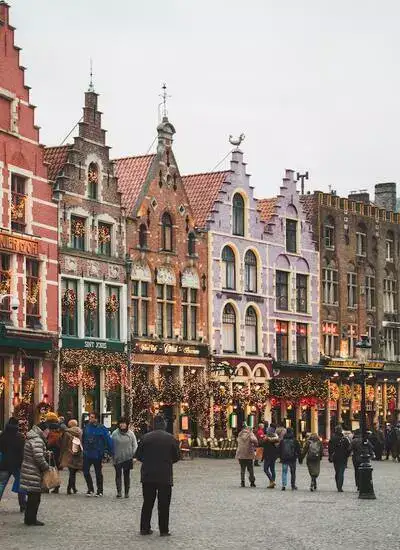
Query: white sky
[314, 84]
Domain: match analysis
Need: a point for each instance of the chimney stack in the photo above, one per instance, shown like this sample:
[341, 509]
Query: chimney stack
[360, 196]
[385, 196]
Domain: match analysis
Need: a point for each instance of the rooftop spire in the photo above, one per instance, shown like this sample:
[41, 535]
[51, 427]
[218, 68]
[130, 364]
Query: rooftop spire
[91, 87]
[164, 96]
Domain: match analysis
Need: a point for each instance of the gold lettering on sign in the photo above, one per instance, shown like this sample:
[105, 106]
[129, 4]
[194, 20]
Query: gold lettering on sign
[19, 245]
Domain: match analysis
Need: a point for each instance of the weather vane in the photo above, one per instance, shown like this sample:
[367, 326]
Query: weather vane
[164, 96]
[91, 87]
[236, 141]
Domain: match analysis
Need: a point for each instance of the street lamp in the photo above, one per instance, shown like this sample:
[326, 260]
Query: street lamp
[366, 488]
[128, 270]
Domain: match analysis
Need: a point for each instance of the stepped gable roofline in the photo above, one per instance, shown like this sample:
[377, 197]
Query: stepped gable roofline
[132, 173]
[202, 191]
[56, 158]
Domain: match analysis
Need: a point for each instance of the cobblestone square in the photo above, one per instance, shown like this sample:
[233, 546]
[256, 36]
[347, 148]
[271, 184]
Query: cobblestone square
[210, 510]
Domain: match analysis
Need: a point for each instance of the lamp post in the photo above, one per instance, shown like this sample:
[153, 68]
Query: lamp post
[366, 488]
[128, 270]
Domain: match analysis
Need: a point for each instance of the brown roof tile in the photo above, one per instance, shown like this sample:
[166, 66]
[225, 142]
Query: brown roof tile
[56, 157]
[267, 208]
[202, 191]
[132, 173]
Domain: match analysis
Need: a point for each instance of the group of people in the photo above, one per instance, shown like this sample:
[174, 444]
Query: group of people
[272, 443]
[28, 457]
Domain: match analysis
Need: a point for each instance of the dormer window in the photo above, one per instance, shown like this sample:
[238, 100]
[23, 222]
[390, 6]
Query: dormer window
[238, 215]
[104, 238]
[18, 202]
[93, 181]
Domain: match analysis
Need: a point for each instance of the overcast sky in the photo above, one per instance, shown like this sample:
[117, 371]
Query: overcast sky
[314, 84]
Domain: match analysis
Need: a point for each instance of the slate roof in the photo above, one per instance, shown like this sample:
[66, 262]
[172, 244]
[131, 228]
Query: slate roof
[202, 191]
[132, 173]
[266, 208]
[55, 157]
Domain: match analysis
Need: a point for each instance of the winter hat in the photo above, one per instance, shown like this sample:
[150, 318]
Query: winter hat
[271, 431]
[43, 426]
[51, 417]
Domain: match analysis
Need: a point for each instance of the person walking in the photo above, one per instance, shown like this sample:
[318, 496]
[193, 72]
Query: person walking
[157, 451]
[339, 452]
[96, 441]
[11, 454]
[71, 453]
[34, 465]
[54, 440]
[377, 440]
[357, 452]
[245, 453]
[280, 432]
[289, 452]
[313, 452]
[260, 436]
[270, 454]
[125, 446]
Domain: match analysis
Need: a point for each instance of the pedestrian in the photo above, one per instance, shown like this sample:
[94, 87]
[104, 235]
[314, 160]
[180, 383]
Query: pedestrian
[394, 441]
[96, 442]
[71, 456]
[289, 452]
[247, 443]
[260, 436]
[157, 451]
[339, 451]
[357, 454]
[271, 453]
[34, 465]
[125, 446]
[54, 440]
[11, 454]
[280, 432]
[313, 452]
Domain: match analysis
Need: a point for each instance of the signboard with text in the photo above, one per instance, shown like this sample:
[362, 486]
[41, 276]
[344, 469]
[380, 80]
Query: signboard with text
[98, 345]
[353, 364]
[18, 245]
[166, 348]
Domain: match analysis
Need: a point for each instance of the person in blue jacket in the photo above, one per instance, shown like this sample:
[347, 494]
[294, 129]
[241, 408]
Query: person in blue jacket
[96, 441]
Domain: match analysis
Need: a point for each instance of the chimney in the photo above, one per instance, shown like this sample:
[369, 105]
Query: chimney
[385, 196]
[360, 196]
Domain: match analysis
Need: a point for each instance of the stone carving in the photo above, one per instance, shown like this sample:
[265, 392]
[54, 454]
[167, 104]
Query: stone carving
[166, 276]
[190, 279]
[70, 264]
[141, 272]
[113, 271]
[93, 269]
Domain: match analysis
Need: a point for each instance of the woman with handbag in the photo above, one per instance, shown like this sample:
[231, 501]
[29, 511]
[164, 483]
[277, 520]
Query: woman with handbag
[125, 445]
[71, 455]
[34, 466]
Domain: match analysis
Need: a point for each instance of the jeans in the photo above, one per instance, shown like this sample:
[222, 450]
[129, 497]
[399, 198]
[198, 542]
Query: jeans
[339, 474]
[285, 467]
[97, 463]
[269, 468]
[126, 468]
[32, 506]
[244, 463]
[163, 494]
[5, 478]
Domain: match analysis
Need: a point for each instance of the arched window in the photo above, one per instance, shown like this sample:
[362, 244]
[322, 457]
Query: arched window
[228, 266]
[166, 241]
[143, 236]
[238, 215]
[229, 329]
[251, 330]
[93, 181]
[329, 233]
[191, 244]
[250, 271]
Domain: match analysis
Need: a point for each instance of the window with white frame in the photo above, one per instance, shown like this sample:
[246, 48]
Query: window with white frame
[104, 236]
[389, 246]
[228, 268]
[370, 291]
[18, 203]
[251, 325]
[229, 329]
[330, 286]
[329, 234]
[351, 289]
[69, 306]
[330, 336]
[390, 343]
[352, 340]
[301, 293]
[165, 311]
[112, 312]
[190, 308]
[371, 332]
[78, 232]
[282, 340]
[282, 290]
[389, 295]
[33, 304]
[361, 244]
[140, 308]
[91, 309]
[250, 271]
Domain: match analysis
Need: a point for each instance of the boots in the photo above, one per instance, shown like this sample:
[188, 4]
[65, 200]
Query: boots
[119, 488]
[271, 485]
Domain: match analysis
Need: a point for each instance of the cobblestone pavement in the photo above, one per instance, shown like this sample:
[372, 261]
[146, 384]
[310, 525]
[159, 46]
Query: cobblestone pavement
[210, 511]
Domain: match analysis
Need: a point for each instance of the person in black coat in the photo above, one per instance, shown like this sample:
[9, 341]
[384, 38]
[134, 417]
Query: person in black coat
[157, 451]
[11, 452]
[339, 451]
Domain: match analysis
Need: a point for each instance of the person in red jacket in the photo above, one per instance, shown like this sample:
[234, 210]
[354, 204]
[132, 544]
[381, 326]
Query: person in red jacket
[260, 436]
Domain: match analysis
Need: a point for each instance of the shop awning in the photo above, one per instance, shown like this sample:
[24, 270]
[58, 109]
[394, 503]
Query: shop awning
[24, 343]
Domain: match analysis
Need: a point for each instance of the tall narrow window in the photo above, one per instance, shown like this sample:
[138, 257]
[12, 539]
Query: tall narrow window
[238, 215]
[165, 311]
[32, 292]
[282, 340]
[329, 234]
[250, 272]
[112, 312]
[104, 238]
[91, 308]
[78, 231]
[140, 302]
[229, 329]
[228, 268]
[361, 244]
[143, 236]
[5, 287]
[371, 331]
[93, 181]
[330, 339]
[251, 331]
[69, 307]
[352, 340]
[166, 228]
[389, 247]
[370, 291]
[301, 293]
[389, 295]
[18, 203]
[390, 344]
[191, 244]
[302, 343]
[291, 236]
[351, 289]
[190, 307]
[330, 286]
[282, 290]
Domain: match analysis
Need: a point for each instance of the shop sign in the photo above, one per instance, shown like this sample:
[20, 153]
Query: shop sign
[98, 345]
[353, 364]
[170, 349]
[19, 245]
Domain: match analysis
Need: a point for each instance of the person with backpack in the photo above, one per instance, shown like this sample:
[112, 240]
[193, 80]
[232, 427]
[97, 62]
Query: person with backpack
[270, 454]
[339, 452]
[313, 452]
[96, 441]
[72, 453]
[289, 452]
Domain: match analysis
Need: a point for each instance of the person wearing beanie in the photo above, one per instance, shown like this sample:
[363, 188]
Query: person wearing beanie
[125, 445]
[71, 453]
[11, 452]
[247, 443]
[157, 451]
[54, 440]
[34, 465]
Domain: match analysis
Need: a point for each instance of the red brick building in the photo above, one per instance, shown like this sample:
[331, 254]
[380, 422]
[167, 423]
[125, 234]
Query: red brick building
[169, 270]
[28, 245]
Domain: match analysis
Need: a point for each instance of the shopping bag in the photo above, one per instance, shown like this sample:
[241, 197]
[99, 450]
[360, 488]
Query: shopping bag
[51, 478]
[259, 453]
